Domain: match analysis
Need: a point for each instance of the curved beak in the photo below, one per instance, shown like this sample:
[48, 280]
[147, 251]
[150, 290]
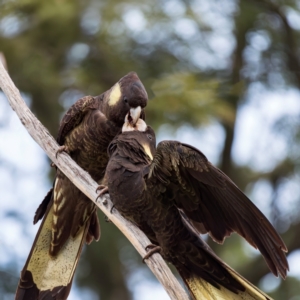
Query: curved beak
[133, 122]
[134, 115]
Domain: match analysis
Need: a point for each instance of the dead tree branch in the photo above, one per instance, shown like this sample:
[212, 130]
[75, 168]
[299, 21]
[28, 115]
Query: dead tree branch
[88, 186]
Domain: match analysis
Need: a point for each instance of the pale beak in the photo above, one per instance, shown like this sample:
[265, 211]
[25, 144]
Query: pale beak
[134, 115]
[131, 125]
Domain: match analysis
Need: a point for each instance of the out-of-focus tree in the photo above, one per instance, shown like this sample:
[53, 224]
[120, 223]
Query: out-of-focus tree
[202, 62]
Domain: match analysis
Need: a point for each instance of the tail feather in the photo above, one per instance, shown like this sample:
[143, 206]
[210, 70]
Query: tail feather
[46, 277]
[201, 289]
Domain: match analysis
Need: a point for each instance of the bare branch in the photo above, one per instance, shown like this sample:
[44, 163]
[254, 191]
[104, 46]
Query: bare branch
[88, 186]
[3, 60]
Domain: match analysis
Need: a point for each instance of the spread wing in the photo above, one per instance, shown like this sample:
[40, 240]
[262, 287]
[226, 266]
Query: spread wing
[212, 202]
[75, 114]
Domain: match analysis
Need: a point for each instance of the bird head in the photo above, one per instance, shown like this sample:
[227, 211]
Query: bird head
[140, 134]
[127, 96]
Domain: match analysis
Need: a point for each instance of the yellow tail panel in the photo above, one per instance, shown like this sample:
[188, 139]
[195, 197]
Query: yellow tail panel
[49, 272]
[201, 289]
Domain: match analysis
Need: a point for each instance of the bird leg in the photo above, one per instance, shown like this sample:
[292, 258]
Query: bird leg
[62, 149]
[152, 249]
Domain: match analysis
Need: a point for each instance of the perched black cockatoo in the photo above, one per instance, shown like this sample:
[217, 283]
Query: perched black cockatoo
[70, 218]
[173, 193]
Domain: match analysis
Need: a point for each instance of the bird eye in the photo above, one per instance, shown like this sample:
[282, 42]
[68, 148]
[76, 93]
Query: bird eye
[125, 99]
[149, 136]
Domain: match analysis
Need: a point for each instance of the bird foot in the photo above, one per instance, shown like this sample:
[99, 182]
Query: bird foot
[102, 189]
[152, 249]
[62, 149]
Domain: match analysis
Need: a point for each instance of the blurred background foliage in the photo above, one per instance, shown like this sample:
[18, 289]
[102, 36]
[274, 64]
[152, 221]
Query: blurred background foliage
[211, 67]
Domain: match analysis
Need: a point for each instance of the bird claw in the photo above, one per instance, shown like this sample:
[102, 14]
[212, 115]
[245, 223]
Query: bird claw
[112, 208]
[102, 189]
[62, 149]
[152, 249]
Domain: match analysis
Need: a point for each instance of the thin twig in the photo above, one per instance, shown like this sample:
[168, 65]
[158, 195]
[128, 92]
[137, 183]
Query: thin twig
[88, 186]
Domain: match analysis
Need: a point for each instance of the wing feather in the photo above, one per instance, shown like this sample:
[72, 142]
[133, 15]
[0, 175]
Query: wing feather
[75, 114]
[213, 203]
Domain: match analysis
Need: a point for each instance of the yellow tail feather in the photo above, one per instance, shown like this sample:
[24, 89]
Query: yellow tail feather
[50, 272]
[201, 289]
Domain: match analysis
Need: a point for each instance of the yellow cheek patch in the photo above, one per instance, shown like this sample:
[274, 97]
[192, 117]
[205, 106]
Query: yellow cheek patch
[147, 150]
[115, 95]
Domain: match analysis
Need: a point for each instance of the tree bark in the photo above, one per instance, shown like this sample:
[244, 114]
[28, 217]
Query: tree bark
[87, 185]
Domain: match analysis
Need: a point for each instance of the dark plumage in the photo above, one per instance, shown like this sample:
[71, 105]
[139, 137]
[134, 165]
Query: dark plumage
[171, 190]
[69, 216]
